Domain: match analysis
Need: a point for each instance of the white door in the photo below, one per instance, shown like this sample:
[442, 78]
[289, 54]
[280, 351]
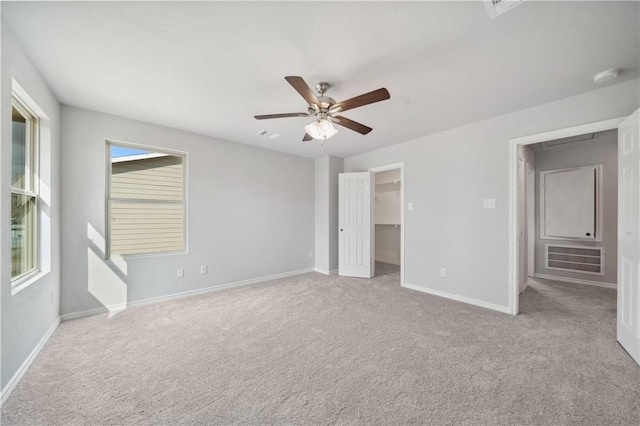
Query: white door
[356, 239]
[629, 235]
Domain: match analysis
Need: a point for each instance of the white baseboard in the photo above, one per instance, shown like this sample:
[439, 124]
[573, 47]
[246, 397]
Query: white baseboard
[13, 382]
[153, 300]
[575, 281]
[503, 309]
[325, 272]
[392, 262]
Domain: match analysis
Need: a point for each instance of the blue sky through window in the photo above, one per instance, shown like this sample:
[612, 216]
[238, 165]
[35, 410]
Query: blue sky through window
[121, 151]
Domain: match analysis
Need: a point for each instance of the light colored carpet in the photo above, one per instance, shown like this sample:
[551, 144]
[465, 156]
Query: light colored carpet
[318, 349]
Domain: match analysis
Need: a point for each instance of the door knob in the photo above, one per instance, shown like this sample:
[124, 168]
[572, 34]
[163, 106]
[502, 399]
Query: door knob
[340, 229]
[588, 234]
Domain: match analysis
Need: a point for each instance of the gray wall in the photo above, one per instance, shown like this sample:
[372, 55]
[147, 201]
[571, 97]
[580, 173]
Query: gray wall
[27, 315]
[249, 214]
[447, 175]
[336, 166]
[602, 150]
[327, 169]
[321, 166]
[388, 241]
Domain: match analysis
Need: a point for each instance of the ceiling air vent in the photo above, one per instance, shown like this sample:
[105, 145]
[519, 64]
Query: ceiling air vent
[496, 8]
[268, 134]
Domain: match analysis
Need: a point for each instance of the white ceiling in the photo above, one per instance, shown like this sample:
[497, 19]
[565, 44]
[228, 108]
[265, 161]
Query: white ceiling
[209, 67]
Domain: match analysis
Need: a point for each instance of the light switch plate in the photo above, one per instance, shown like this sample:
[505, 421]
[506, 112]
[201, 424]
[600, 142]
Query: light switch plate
[410, 207]
[489, 203]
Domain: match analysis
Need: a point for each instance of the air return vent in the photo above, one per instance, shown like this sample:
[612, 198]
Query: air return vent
[496, 8]
[268, 134]
[584, 260]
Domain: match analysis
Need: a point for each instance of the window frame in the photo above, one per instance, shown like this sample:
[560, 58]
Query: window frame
[31, 187]
[108, 199]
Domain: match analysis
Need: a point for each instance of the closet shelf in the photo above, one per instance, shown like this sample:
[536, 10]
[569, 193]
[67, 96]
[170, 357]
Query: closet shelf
[388, 224]
[388, 186]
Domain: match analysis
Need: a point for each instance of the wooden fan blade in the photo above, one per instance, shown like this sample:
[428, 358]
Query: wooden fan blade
[303, 88]
[366, 99]
[352, 125]
[292, 114]
[307, 137]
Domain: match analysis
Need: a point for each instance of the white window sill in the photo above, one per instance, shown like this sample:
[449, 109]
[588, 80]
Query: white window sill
[146, 255]
[27, 280]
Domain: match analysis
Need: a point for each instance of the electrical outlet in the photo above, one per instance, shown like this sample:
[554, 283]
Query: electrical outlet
[443, 272]
[204, 270]
[180, 273]
[410, 207]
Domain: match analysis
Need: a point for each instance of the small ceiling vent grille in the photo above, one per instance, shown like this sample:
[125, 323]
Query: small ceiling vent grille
[268, 134]
[496, 8]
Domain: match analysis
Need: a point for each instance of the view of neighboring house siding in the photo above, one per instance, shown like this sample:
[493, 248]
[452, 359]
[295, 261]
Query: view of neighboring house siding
[147, 205]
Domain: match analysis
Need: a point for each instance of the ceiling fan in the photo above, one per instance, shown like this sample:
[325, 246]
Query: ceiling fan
[324, 109]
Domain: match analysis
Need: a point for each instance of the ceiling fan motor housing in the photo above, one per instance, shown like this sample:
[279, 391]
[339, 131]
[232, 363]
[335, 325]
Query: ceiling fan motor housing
[325, 103]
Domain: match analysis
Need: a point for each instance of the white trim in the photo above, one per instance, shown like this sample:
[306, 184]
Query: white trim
[13, 382]
[175, 296]
[513, 190]
[598, 204]
[389, 261]
[24, 97]
[136, 157]
[576, 281]
[487, 305]
[30, 111]
[325, 272]
[402, 225]
[28, 279]
[598, 126]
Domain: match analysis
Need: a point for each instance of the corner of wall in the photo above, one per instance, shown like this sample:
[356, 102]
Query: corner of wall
[27, 316]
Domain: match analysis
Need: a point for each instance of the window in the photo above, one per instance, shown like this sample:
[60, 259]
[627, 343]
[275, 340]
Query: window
[146, 200]
[24, 192]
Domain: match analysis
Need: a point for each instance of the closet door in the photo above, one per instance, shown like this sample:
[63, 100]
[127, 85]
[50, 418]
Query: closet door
[629, 235]
[356, 236]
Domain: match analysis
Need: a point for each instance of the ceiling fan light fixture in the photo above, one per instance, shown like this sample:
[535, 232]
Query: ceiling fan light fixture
[321, 129]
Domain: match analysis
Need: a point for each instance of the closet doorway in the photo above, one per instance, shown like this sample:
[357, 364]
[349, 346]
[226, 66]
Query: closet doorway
[388, 217]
